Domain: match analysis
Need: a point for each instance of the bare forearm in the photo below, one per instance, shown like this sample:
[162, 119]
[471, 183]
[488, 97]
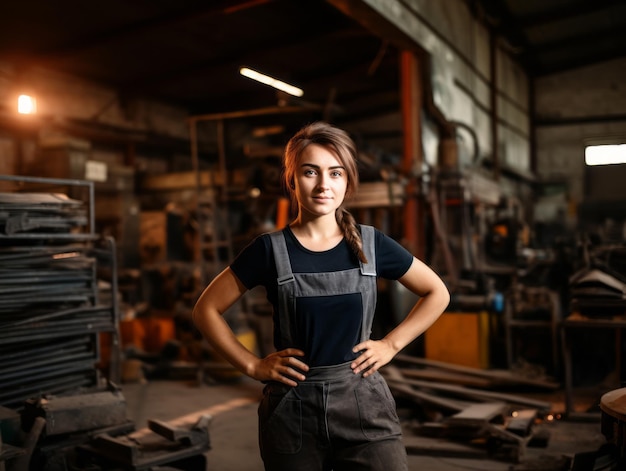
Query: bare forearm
[373, 354]
[434, 298]
[425, 312]
[217, 298]
[219, 334]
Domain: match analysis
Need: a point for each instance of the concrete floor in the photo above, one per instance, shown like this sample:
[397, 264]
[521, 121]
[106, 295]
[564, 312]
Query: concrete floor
[233, 430]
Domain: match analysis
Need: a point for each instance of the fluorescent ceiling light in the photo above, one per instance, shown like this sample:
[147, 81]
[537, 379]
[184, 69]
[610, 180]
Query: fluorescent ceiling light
[605, 154]
[272, 82]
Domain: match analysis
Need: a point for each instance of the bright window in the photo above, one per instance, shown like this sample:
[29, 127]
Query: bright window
[607, 154]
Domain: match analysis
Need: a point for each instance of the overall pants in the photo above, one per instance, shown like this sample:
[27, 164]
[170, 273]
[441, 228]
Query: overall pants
[335, 419]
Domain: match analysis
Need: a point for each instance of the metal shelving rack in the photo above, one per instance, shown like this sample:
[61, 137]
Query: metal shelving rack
[51, 313]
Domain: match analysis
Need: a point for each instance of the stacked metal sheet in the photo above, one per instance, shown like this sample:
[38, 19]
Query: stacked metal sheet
[46, 366]
[599, 289]
[50, 316]
[40, 212]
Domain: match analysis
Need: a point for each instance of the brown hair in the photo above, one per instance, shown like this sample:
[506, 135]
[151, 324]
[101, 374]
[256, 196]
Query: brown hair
[342, 146]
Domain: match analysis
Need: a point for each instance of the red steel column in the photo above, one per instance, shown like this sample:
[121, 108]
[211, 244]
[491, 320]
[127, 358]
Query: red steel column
[411, 95]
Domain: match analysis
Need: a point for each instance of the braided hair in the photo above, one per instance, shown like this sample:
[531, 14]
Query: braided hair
[342, 146]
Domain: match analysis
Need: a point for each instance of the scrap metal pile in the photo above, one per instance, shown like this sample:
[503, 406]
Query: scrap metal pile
[91, 431]
[458, 411]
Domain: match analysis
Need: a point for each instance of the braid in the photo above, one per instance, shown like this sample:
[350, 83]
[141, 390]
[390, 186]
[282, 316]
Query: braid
[351, 233]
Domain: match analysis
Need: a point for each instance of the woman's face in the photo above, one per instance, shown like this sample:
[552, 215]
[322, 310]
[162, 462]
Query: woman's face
[320, 181]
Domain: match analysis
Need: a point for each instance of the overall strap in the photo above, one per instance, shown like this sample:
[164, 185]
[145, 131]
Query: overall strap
[281, 258]
[369, 249]
[286, 285]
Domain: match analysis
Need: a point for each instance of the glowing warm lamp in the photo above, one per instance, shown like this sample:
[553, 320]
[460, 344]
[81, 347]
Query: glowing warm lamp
[26, 104]
[272, 82]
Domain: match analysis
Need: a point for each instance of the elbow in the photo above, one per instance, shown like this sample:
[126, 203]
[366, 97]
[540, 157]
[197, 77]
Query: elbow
[445, 299]
[445, 296]
[442, 296]
[196, 315]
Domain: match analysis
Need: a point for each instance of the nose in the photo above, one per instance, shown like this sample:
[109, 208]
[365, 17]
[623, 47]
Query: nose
[322, 182]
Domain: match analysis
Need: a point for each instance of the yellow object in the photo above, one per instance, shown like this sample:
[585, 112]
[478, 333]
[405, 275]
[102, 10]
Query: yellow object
[248, 339]
[461, 338]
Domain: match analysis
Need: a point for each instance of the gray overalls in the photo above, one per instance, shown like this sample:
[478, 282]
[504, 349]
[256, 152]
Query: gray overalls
[335, 419]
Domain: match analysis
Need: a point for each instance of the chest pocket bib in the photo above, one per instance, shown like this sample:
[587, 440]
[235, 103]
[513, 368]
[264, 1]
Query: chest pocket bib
[299, 291]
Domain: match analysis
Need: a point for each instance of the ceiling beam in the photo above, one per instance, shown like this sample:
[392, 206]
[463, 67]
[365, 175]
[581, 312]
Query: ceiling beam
[500, 17]
[564, 11]
[578, 51]
[139, 28]
[238, 57]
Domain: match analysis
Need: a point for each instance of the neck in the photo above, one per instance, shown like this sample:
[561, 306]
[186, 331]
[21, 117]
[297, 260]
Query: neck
[324, 227]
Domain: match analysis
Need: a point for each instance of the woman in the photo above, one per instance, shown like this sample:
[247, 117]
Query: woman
[325, 405]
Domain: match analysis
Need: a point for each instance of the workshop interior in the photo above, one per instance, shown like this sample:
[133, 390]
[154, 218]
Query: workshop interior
[140, 152]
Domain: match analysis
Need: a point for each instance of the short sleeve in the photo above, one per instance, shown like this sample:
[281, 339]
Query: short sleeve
[255, 263]
[392, 260]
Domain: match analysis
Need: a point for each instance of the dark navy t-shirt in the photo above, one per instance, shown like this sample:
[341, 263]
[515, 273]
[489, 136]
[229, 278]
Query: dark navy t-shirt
[327, 327]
